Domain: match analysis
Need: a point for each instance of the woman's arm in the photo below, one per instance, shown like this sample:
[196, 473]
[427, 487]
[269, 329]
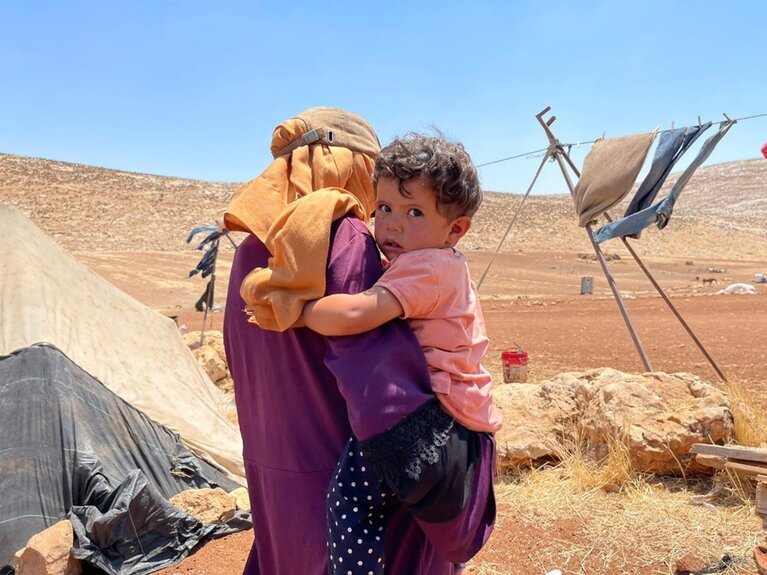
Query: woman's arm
[350, 314]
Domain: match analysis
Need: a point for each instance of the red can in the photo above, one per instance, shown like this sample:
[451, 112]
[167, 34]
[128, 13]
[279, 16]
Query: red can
[514, 365]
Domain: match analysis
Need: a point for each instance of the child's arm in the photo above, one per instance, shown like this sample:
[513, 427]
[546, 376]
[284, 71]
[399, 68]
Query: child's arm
[349, 314]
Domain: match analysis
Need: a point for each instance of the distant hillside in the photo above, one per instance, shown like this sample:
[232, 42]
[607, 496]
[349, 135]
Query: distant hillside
[722, 213]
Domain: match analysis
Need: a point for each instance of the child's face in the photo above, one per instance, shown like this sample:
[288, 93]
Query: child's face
[404, 224]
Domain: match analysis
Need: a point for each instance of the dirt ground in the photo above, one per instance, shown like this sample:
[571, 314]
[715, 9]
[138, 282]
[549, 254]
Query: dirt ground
[533, 301]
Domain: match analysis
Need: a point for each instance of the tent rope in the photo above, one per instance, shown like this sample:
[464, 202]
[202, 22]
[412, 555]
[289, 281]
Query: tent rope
[546, 156]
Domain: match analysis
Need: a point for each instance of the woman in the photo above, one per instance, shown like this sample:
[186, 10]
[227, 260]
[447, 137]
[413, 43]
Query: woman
[300, 395]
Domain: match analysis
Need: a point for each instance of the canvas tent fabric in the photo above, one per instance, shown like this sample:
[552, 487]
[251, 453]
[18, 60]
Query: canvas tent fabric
[47, 296]
[70, 447]
[660, 213]
[609, 171]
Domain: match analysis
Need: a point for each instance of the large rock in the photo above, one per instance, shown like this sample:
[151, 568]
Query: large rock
[211, 356]
[537, 418]
[241, 498]
[211, 337]
[657, 416]
[48, 553]
[211, 362]
[206, 505]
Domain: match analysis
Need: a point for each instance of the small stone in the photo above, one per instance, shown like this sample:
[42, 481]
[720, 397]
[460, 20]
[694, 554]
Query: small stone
[689, 564]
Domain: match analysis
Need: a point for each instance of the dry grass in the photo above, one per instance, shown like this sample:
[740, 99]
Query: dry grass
[624, 522]
[644, 528]
[750, 419]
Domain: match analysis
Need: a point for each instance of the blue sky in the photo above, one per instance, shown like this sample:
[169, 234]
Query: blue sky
[194, 89]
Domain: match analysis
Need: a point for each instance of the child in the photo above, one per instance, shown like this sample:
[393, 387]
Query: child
[427, 190]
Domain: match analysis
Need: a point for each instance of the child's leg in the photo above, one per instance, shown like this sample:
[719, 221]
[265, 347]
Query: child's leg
[435, 467]
[358, 507]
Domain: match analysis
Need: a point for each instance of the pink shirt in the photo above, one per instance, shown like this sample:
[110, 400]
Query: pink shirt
[441, 304]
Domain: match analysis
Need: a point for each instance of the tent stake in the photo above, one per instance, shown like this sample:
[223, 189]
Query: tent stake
[558, 153]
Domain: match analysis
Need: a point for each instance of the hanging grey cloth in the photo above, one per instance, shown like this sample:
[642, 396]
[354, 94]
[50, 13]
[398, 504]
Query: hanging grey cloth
[660, 213]
[609, 171]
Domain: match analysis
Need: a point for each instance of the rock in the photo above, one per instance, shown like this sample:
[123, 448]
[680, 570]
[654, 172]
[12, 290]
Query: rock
[656, 416]
[537, 417]
[48, 553]
[211, 362]
[241, 498]
[206, 505]
[226, 384]
[212, 338]
[689, 564]
[211, 356]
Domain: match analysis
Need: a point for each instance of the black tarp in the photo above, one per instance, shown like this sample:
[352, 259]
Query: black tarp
[69, 447]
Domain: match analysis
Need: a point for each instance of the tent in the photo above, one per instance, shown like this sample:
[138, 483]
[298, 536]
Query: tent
[104, 413]
[73, 449]
[137, 353]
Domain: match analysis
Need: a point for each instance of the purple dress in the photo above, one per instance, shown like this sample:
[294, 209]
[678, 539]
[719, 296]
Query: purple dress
[295, 419]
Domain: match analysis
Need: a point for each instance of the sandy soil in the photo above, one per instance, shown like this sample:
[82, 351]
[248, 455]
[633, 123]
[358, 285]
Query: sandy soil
[530, 300]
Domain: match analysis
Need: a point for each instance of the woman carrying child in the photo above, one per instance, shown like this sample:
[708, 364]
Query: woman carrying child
[427, 190]
[301, 395]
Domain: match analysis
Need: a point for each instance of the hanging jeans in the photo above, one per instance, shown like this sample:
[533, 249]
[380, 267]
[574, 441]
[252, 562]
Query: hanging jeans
[660, 213]
[672, 145]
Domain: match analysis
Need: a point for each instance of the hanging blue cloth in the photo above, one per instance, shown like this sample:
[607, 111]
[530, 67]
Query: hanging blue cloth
[660, 213]
[207, 263]
[672, 145]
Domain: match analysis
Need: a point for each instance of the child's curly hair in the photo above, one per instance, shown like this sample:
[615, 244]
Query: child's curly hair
[445, 165]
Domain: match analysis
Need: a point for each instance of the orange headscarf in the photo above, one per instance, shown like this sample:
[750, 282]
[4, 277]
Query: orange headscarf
[324, 174]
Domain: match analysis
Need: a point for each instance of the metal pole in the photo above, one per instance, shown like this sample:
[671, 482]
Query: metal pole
[673, 309]
[650, 277]
[212, 284]
[558, 152]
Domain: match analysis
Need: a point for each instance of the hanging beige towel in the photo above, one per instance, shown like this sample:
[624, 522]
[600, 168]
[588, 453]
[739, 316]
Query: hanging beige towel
[609, 172]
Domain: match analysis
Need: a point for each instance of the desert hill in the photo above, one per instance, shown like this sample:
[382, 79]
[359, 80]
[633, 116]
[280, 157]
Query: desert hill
[722, 213]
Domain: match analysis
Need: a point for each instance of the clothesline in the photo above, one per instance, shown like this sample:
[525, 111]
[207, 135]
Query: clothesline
[541, 150]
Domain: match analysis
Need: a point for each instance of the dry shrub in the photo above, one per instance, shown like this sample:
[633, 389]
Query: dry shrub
[628, 522]
[750, 419]
[584, 473]
[741, 489]
[750, 430]
[643, 529]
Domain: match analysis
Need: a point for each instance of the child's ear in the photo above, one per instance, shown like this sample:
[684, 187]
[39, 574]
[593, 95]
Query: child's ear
[458, 229]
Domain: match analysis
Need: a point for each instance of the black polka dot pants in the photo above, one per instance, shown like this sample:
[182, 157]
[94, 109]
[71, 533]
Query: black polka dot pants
[358, 507]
